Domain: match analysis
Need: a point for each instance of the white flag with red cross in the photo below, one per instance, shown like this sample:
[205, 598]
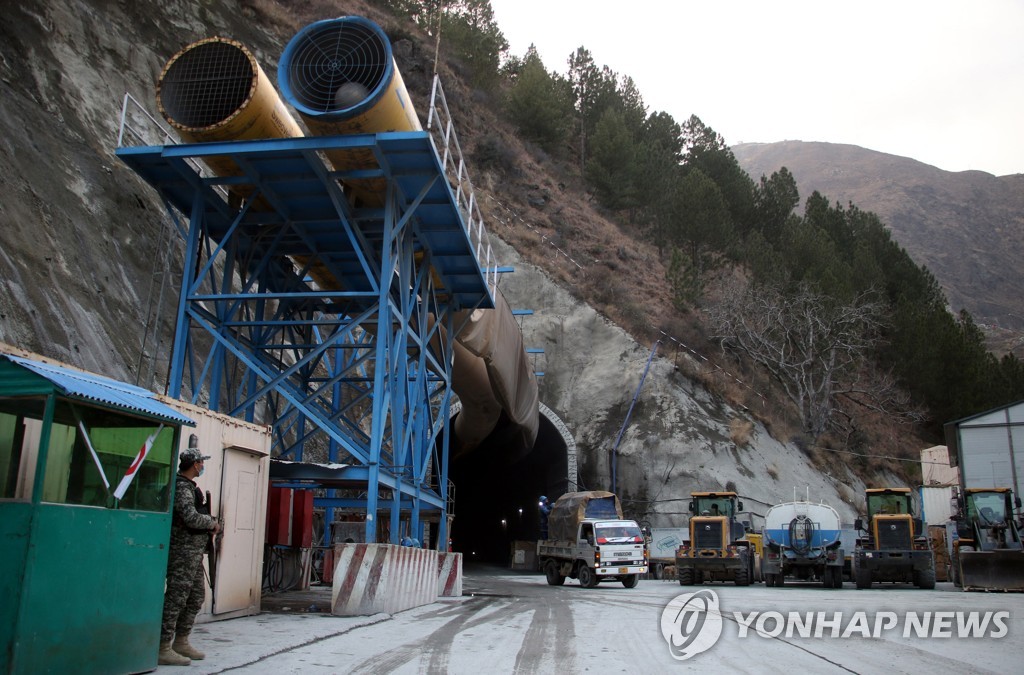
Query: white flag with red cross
[133, 469]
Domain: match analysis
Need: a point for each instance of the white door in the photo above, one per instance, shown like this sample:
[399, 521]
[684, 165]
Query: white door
[238, 576]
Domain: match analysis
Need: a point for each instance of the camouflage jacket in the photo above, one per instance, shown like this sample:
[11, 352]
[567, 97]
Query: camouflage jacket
[192, 523]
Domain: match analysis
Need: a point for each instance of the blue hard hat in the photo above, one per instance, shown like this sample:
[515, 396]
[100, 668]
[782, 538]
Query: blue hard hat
[543, 498]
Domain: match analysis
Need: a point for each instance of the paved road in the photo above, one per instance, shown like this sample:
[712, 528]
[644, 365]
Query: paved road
[514, 623]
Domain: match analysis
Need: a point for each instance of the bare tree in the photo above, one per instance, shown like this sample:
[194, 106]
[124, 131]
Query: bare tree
[813, 346]
[875, 391]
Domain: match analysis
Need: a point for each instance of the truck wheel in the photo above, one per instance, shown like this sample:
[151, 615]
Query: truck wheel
[630, 580]
[925, 579]
[742, 577]
[837, 576]
[587, 577]
[685, 575]
[552, 572]
[826, 578]
[862, 577]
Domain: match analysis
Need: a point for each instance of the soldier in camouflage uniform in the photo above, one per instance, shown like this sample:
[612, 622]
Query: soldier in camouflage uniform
[191, 528]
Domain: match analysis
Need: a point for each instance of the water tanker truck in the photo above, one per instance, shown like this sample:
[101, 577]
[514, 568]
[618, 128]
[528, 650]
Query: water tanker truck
[802, 540]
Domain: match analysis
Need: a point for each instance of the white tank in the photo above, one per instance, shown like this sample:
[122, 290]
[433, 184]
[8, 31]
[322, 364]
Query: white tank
[802, 525]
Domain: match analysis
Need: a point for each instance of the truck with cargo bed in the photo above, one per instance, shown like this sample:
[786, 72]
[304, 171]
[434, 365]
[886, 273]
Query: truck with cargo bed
[589, 540]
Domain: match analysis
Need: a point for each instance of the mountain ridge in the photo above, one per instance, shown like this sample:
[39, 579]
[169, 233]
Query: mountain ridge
[966, 227]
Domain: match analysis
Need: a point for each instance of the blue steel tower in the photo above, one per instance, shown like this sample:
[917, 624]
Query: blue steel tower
[326, 280]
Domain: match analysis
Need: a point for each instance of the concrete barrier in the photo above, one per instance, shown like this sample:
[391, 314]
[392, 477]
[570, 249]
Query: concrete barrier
[449, 575]
[373, 578]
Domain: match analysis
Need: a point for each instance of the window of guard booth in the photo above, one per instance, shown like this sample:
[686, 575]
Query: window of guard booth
[10, 456]
[88, 444]
[19, 435]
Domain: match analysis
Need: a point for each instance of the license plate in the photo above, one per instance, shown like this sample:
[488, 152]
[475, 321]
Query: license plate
[623, 570]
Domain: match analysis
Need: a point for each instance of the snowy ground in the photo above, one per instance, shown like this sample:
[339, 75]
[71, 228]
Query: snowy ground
[517, 623]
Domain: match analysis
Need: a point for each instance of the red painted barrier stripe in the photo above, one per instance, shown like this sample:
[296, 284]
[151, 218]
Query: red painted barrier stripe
[373, 580]
[352, 572]
[453, 577]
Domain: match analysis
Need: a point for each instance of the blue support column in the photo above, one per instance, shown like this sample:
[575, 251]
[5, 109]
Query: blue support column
[179, 351]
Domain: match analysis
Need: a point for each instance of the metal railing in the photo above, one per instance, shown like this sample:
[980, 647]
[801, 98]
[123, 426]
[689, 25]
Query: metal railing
[446, 144]
[138, 128]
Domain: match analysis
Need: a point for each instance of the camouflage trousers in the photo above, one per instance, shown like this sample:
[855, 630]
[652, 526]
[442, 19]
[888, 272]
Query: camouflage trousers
[186, 590]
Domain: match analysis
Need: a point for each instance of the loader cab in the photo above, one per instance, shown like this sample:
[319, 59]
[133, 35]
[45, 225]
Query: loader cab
[987, 520]
[888, 502]
[890, 519]
[989, 507]
[706, 507]
[715, 504]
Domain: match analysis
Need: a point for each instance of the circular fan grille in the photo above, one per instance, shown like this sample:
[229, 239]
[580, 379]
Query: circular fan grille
[205, 84]
[349, 57]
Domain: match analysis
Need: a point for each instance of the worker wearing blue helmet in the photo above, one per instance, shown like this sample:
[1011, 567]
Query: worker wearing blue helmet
[545, 509]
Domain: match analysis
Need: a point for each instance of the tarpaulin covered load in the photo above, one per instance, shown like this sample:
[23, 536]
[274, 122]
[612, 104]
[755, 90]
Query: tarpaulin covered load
[572, 507]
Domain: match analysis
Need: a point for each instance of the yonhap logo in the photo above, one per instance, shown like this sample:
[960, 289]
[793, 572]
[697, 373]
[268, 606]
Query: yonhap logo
[691, 623]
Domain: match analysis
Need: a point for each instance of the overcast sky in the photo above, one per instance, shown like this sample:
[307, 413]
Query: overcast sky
[938, 81]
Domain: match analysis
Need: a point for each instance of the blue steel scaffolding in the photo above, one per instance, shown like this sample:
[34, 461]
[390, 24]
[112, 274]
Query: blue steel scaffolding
[328, 320]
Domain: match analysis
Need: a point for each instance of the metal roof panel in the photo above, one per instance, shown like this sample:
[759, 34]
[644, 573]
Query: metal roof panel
[103, 390]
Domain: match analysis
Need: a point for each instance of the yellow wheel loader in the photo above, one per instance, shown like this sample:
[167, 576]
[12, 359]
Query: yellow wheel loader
[987, 554]
[718, 549]
[890, 544]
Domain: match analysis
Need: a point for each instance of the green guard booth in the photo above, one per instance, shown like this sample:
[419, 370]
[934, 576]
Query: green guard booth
[87, 466]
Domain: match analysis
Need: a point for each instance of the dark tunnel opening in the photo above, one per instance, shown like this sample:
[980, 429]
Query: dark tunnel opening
[497, 493]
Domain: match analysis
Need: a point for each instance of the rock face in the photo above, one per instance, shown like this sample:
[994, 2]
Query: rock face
[678, 438]
[87, 249]
[90, 262]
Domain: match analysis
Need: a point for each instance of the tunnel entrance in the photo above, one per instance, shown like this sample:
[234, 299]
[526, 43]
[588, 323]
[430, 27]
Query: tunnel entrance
[497, 494]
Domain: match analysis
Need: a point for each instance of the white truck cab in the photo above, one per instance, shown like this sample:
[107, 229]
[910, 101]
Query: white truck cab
[604, 550]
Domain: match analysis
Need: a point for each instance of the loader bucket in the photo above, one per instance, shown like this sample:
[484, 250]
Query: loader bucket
[992, 570]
